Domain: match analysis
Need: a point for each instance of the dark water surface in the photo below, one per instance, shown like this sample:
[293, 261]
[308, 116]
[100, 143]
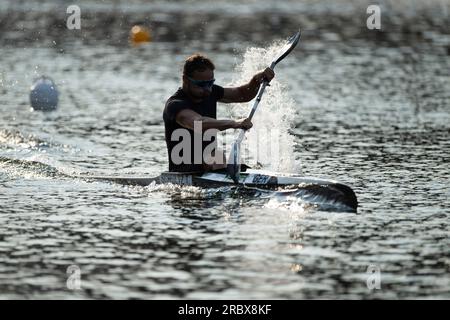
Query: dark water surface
[371, 110]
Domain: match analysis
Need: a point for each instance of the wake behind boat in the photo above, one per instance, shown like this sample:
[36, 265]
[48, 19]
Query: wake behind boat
[312, 189]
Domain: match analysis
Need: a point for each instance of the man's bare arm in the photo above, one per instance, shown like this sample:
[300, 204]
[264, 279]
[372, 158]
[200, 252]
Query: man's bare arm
[187, 117]
[247, 92]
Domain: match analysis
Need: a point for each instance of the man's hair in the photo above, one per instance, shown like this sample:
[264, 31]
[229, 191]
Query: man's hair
[197, 62]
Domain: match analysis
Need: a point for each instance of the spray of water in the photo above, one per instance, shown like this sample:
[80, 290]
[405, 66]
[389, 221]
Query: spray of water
[268, 144]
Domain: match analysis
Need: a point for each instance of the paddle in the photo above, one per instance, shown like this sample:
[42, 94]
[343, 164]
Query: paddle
[234, 161]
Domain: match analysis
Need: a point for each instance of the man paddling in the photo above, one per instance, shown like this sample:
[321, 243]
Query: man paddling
[193, 110]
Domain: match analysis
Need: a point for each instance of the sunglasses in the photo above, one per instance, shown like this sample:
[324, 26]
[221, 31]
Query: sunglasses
[202, 83]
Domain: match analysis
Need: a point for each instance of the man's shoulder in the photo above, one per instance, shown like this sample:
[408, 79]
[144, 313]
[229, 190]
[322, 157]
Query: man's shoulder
[177, 102]
[179, 95]
[218, 91]
[177, 99]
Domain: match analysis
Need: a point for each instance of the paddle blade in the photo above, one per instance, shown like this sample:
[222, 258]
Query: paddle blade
[234, 162]
[288, 47]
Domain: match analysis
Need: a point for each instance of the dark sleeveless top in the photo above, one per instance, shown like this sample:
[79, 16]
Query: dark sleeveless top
[177, 102]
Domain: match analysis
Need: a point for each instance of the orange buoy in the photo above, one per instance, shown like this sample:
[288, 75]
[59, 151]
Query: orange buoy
[140, 34]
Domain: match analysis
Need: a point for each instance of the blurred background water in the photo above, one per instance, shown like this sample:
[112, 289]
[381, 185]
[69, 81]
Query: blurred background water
[367, 107]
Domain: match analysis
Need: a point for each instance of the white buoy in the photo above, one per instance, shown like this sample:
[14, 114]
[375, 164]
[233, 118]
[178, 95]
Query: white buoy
[44, 94]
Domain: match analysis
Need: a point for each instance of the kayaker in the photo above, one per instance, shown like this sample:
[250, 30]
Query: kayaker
[194, 106]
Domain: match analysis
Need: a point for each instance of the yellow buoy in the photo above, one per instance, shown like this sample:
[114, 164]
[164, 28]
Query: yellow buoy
[140, 34]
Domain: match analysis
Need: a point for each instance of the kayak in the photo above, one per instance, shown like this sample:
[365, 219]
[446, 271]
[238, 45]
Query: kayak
[327, 189]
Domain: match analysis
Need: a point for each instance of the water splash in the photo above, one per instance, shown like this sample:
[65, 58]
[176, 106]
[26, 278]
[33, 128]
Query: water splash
[28, 168]
[15, 139]
[304, 201]
[18, 141]
[268, 144]
[289, 204]
[39, 166]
